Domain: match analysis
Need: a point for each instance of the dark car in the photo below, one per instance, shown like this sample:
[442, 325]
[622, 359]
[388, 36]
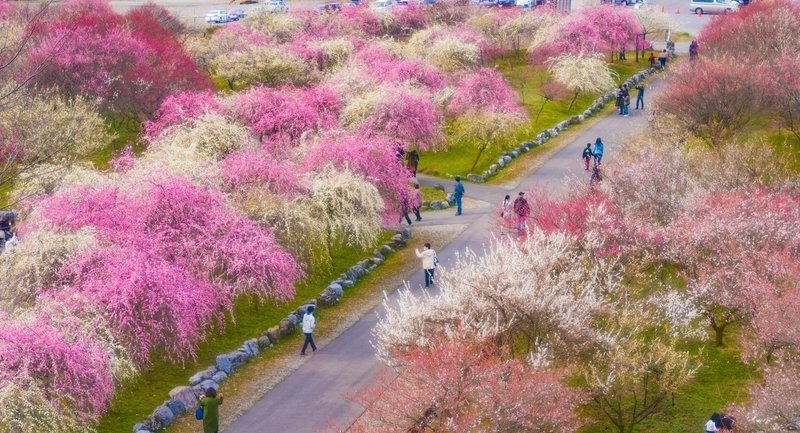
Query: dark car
[505, 3]
[330, 7]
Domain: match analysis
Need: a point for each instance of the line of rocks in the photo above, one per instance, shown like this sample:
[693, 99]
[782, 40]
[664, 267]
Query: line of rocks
[547, 134]
[183, 399]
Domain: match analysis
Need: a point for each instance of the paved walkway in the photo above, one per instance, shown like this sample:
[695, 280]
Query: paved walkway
[315, 396]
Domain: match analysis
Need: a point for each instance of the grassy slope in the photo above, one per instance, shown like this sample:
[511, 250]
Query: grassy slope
[136, 400]
[526, 80]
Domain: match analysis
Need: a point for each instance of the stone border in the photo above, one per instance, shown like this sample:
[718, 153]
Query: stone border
[547, 134]
[183, 399]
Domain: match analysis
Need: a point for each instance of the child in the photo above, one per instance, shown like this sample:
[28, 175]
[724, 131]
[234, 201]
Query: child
[587, 156]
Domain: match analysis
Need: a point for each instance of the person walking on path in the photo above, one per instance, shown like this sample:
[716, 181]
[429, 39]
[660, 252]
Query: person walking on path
[694, 49]
[429, 259]
[211, 403]
[412, 159]
[652, 60]
[598, 151]
[640, 95]
[458, 193]
[620, 100]
[417, 202]
[506, 204]
[309, 323]
[662, 58]
[587, 156]
[522, 209]
[626, 102]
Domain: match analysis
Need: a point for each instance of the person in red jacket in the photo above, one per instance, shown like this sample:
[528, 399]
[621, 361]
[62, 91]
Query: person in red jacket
[522, 209]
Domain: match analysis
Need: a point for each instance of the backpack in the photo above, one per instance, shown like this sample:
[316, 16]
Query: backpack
[435, 260]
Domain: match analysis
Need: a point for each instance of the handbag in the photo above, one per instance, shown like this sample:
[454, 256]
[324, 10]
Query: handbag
[199, 413]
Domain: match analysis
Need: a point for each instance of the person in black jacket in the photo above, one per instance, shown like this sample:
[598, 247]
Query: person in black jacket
[587, 156]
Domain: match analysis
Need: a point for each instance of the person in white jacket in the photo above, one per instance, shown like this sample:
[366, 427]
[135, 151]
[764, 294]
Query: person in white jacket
[309, 323]
[428, 256]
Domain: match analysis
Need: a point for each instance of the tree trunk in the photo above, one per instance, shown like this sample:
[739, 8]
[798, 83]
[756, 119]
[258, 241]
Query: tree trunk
[480, 152]
[540, 111]
[573, 101]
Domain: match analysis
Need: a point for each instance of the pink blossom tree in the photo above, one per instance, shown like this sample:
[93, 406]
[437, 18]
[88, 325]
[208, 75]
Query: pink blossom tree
[179, 108]
[251, 168]
[484, 90]
[281, 117]
[409, 120]
[598, 29]
[73, 374]
[462, 385]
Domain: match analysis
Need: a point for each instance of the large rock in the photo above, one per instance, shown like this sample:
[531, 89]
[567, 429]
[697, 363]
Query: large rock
[177, 407]
[196, 378]
[507, 159]
[206, 384]
[501, 161]
[376, 261]
[438, 186]
[347, 283]
[274, 334]
[386, 249]
[224, 363]
[475, 178]
[185, 395]
[139, 427]
[219, 377]
[406, 232]
[493, 168]
[161, 417]
[515, 153]
[436, 205]
[444, 204]
[264, 341]
[251, 346]
[355, 272]
[335, 290]
[286, 327]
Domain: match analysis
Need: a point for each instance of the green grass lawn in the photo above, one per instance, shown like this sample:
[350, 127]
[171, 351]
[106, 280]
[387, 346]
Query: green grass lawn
[136, 400]
[431, 194]
[526, 80]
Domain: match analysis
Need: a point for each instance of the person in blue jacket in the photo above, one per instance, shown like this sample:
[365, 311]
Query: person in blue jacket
[458, 193]
[598, 150]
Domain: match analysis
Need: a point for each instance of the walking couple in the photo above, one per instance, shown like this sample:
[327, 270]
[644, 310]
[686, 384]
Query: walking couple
[522, 210]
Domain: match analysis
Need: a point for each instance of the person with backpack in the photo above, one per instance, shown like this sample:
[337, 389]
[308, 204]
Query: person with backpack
[620, 100]
[587, 156]
[412, 162]
[309, 323]
[458, 193]
[210, 404]
[429, 262]
[598, 151]
[522, 209]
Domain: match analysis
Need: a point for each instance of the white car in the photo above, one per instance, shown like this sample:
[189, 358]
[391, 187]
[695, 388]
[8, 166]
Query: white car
[217, 17]
[276, 6]
[524, 3]
[383, 5]
[713, 6]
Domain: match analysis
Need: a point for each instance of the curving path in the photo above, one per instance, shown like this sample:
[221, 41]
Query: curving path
[314, 397]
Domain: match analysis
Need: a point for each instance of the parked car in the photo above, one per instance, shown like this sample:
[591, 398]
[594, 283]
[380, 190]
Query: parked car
[383, 5]
[524, 3]
[330, 7]
[505, 3]
[236, 14]
[487, 3]
[713, 6]
[276, 6]
[217, 17]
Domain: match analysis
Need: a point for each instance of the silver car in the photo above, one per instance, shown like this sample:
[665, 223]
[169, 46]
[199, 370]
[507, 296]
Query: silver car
[713, 6]
[276, 6]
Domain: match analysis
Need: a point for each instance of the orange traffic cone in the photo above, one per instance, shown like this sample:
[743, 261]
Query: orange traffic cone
[677, 10]
[699, 12]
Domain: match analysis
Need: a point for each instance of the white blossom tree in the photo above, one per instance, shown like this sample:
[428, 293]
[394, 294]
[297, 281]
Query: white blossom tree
[582, 73]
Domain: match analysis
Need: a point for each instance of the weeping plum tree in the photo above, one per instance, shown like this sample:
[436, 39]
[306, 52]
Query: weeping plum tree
[582, 73]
